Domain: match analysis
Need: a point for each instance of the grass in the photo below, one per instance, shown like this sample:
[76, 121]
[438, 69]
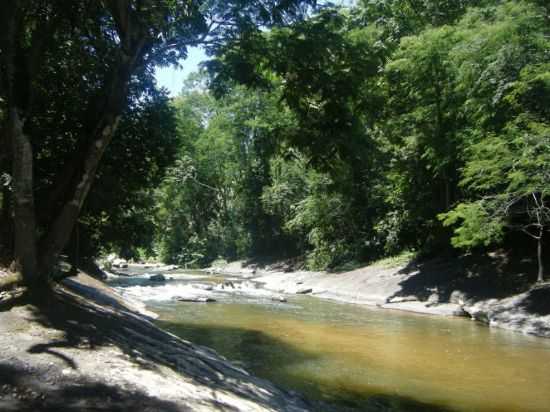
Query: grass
[397, 260]
[385, 263]
[347, 266]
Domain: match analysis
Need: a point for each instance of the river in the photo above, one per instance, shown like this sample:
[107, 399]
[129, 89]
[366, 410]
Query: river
[355, 357]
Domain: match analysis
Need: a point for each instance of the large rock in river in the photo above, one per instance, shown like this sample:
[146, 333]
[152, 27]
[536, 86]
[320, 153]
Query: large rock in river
[527, 312]
[157, 278]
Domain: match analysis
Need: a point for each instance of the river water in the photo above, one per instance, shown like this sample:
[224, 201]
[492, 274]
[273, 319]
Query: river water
[355, 357]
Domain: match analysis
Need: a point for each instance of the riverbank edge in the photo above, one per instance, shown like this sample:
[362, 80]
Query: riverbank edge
[382, 287]
[88, 348]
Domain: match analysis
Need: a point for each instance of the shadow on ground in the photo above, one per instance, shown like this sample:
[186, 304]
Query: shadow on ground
[100, 320]
[253, 349]
[26, 389]
[478, 277]
[538, 301]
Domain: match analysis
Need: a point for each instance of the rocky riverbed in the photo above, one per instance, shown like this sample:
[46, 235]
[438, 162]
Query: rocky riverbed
[435, 288]
[83, 347]
[438, 287]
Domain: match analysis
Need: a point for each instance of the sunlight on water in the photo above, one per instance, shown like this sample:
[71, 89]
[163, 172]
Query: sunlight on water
[350, 355]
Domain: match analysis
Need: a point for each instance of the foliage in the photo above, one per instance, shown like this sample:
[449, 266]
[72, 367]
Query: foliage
[371, 130]
[338, 134]
[392, 261]
[76, 76]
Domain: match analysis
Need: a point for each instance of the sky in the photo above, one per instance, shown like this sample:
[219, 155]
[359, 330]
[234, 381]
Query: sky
[172, 78]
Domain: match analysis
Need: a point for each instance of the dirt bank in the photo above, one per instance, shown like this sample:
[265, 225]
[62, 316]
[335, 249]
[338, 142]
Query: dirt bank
[84, 348]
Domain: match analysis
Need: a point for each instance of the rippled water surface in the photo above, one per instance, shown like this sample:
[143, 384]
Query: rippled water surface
[362, 358]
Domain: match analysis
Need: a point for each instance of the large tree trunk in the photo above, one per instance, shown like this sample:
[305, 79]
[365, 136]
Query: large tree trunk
[6, 227]
[540, 275]
[62, 227]
[133, 47]
[23, 196]
[60, 231]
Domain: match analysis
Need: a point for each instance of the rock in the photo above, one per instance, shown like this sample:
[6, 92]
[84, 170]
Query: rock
[460, 312]
[300, 283]
[250, 285]
[458, 297]
[202, 286]
[303, 291]
[401, 299]
[278, 299]
[120, 263]
[198, 299]
[433, 299]
[157, 278]
[228, 284]
[478, 312]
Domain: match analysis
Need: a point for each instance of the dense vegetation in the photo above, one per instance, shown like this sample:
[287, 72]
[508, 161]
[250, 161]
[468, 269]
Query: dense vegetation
[78, 105]
[336, 134]
[393, 125]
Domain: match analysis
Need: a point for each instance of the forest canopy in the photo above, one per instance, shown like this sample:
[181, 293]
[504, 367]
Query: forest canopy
[367, 131]
[330, 133]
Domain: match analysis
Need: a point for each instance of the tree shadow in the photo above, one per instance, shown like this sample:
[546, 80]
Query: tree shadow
[272, 358]
[253, 349]
[13, 301]
[46, 348]
[30, 390]
[350, 401]
[479, 277]
[538, 301]
[101, 320]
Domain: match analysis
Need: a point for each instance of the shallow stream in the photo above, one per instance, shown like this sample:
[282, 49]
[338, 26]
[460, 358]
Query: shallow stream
[356, 357]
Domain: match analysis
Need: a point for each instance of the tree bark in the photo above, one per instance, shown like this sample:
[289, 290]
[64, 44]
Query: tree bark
[5, 210]
[60, 231]
[23, 205]
[6, 226]
[540, 275]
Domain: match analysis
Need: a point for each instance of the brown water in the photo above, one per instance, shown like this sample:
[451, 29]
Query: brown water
[366, 359]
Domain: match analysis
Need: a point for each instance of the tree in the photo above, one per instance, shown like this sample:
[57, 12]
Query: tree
[361, 127]
[506, 174]
[511, 173]
[116, 44]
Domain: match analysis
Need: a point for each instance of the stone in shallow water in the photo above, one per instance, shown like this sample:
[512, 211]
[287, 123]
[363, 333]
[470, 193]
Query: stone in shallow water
[157, 278]
[198, 299]
[303, 291]
[202, 286]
